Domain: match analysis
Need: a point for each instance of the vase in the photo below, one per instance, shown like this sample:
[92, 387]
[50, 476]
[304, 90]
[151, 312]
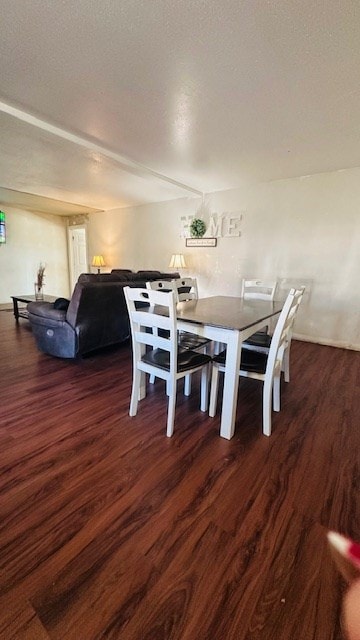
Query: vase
[39, 291]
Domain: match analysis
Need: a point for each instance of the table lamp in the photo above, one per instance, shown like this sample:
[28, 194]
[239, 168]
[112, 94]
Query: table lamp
[177, 261]
[98, 261]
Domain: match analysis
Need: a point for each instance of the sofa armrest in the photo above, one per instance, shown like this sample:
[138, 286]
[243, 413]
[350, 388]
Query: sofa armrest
[52, 332]
[46, 310]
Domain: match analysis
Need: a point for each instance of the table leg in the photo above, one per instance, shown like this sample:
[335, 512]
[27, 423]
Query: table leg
[16, 309]
[231, 384]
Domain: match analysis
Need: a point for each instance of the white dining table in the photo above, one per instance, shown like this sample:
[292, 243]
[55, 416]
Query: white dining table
[228, 320]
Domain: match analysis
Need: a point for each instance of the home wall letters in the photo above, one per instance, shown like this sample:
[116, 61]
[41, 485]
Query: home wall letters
[219, 225]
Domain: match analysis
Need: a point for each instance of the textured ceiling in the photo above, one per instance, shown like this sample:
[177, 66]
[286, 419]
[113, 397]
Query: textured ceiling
[125, 102]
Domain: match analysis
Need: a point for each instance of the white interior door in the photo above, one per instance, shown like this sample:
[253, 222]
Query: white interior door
[78, 254]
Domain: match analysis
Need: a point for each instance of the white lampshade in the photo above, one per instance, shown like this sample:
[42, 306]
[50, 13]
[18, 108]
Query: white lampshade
[177, 261]
[98, 261]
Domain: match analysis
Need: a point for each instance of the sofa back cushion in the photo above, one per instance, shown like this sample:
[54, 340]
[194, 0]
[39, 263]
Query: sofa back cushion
[122, 271]
[98, 277]
[126, 275]
[148, 276]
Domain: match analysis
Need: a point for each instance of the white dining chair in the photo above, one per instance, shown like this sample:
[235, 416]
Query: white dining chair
[258, 289]
[160, 355]
[262, 366]
[185, 289]
[261, 341]
[164, 286]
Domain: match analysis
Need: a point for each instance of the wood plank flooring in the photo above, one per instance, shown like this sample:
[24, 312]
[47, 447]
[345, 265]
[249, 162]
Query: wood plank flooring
[108, 529]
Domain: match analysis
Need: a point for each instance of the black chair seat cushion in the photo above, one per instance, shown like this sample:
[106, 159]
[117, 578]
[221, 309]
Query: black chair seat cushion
[251, 361]
[191, 341]
[186, 340]
[259, 339]
[187, 359]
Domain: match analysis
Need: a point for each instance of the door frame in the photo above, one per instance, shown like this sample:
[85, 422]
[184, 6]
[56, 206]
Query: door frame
[70, 251]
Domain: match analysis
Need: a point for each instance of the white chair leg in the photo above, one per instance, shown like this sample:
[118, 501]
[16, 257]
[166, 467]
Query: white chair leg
[286, 364]
[187, 385]
[214, 390]
[276, 393]
[267, 408]
[152, 378]
[204, 389]
[135, 392]
[171, 412]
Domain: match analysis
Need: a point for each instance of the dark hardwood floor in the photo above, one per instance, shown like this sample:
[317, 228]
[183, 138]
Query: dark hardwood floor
[111, 530]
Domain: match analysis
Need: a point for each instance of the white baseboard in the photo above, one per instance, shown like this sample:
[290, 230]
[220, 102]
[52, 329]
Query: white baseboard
[328, 343]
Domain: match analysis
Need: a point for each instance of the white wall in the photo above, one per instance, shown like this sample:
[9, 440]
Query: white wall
[303, 230]
[33, 238]
[113, 234]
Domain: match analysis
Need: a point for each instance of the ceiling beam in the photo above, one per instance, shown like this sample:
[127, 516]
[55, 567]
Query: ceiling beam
[127, 164]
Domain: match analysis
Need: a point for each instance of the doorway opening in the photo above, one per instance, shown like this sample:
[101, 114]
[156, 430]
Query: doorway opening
[78, 253]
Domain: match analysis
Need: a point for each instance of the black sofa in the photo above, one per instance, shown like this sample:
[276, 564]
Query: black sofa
[95, 317]
[127, 276]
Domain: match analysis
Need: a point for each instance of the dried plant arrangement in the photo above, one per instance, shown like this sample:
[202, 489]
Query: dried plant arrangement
[40, 276]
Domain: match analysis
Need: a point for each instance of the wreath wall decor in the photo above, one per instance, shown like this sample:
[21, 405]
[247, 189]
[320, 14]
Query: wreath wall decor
[197, 228]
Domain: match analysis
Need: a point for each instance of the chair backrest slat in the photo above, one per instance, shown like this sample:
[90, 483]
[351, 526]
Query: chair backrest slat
[153, 340]
[154, 320]
[282, 334]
